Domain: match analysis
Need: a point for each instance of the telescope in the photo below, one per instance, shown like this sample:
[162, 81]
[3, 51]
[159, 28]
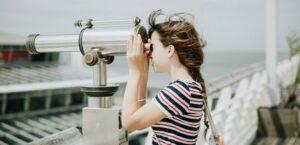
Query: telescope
[109, 37]
[99, 42]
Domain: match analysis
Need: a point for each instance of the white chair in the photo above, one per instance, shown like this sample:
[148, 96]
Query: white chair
[295, 60]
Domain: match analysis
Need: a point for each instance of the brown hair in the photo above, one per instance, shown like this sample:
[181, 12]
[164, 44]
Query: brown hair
[183, 36]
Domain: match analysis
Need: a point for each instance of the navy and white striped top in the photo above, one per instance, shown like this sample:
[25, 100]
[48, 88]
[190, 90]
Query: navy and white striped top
[182, 102]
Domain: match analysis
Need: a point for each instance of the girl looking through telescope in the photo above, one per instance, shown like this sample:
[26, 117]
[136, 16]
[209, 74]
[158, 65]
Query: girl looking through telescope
[175, 112]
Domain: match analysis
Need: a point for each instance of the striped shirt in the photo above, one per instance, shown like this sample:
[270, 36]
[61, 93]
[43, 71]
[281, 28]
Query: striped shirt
[182, 102]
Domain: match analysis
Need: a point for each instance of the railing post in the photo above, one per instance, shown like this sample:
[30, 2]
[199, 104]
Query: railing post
[271, 50]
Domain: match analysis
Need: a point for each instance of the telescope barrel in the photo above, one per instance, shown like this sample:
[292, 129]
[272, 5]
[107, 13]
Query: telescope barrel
[52, 43]
[109, 41]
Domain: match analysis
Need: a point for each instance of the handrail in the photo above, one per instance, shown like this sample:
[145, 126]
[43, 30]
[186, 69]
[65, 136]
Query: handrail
[229, 79]
[217, 84]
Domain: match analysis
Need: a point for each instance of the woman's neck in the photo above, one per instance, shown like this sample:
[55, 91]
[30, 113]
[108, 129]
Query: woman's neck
[179, 72]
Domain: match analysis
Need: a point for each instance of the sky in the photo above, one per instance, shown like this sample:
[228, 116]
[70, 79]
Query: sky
[227, 26]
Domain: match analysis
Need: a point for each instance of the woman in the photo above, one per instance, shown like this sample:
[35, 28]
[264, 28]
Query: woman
[176, 111]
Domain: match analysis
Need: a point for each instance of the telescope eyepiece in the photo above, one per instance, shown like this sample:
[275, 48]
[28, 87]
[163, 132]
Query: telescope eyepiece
[148, 47]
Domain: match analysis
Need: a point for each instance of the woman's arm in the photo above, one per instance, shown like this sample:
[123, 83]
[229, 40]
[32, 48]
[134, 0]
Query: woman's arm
[135, 90]
[135, 114]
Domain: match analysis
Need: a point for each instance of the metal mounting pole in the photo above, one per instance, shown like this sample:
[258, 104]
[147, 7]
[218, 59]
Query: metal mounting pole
[100, 121]
[100, 79]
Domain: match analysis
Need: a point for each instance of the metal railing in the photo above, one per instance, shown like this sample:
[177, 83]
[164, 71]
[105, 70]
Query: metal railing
[234, 99]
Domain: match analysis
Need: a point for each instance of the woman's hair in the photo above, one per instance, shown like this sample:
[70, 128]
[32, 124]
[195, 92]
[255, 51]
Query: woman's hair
[176, 30]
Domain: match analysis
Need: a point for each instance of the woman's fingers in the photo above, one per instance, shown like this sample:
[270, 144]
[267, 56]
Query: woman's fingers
[140, 48]
[135, 43]
[136, 57]
[130, 44]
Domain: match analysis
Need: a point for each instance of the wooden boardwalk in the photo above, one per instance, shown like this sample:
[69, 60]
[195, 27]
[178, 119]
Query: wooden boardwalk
[277, 141]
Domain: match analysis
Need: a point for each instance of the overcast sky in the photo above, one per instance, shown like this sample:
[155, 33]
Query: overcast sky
[227, 25]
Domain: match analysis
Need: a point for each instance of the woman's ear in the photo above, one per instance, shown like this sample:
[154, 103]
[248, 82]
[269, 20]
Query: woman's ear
[171, 50]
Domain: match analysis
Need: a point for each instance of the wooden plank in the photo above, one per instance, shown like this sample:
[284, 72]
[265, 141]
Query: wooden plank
[267, 127]
[297, 142]
[13, 138]
[271, 141]
[292, 141]
[32, 129]
[18, 131]
[289, 120]
[268, 141]
[278, 122]
[289, 141]
[277, 141]
[285, 141]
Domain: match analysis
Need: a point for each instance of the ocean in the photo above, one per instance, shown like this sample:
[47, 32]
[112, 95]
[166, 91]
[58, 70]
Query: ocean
[216, 64]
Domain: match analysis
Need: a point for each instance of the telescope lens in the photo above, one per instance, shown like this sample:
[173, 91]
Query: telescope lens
[30, 43]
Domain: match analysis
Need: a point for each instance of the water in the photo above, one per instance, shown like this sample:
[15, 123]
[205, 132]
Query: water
[216, 64]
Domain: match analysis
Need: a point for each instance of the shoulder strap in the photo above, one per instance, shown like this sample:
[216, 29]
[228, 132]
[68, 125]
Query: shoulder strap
[210, 121]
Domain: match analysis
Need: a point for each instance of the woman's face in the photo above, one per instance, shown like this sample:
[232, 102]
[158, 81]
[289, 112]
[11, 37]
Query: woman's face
[159, 56]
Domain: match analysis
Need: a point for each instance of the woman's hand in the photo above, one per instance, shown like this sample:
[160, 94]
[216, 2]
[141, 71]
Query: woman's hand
[137, 59]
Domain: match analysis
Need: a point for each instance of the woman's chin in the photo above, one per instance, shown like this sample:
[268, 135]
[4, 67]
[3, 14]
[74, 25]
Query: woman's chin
[153, 67]
[156, 70]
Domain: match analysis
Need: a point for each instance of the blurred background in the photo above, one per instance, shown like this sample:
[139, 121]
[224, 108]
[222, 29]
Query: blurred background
[44, 89]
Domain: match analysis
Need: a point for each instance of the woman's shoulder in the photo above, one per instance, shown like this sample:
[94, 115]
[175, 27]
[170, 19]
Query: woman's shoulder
[186, 83]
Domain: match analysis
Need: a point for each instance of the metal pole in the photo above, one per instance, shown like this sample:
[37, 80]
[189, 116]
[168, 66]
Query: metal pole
[100, 79]
[100, 121]
[271, 50]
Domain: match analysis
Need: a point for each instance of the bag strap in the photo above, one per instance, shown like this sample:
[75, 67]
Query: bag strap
[210, 121]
